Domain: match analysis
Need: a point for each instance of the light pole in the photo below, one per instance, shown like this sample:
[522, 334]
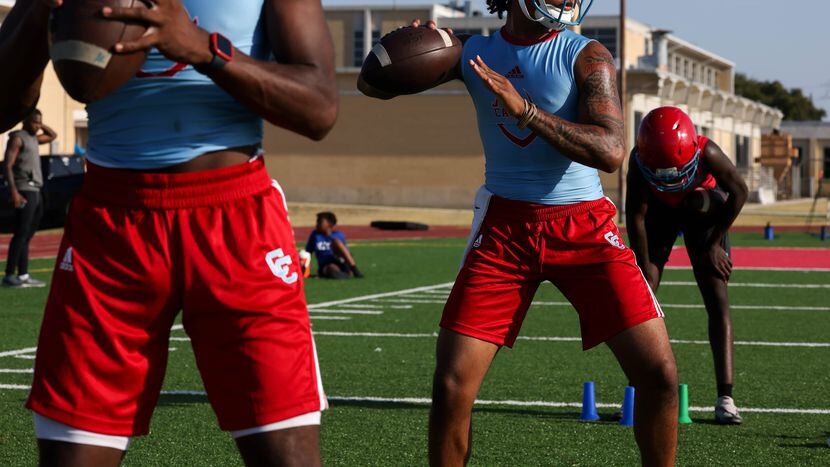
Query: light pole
[623, 91]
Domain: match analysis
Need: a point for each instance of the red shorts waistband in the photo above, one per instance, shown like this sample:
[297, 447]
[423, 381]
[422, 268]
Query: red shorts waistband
[150, 190]
[524, 211]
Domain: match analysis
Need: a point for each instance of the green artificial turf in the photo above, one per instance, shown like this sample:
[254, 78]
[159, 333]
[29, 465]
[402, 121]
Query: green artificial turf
[398, 370]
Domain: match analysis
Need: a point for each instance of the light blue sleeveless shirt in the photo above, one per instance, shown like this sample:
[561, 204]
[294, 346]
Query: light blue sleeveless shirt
[169, 113]
[519, 164]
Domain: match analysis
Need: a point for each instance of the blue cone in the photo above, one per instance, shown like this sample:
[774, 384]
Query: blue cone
[589, 403]
[628, 407]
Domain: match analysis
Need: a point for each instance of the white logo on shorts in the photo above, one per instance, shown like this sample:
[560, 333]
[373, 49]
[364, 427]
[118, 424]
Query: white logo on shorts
[66, 262]
[279, 264]
[477, 243]
[614, 240]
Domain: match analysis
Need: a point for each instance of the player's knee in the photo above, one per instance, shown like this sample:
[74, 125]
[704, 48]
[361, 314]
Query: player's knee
[663, 376]
[660, 377]
[449, 384]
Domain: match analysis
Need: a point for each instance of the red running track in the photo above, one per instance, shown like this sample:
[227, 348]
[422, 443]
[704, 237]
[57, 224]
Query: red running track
[813, 259]
[46, 246]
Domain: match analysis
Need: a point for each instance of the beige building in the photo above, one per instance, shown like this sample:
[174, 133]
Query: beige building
[424, 150]
[811, 141]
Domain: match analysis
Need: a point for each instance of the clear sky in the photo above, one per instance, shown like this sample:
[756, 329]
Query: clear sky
[767, 39]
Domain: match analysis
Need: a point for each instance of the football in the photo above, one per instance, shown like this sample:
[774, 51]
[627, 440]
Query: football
[705, 201]
[411, 60]
[81, 47]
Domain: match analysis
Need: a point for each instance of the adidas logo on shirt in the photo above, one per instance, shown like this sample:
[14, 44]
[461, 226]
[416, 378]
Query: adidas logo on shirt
[66, 262]
[515, 73]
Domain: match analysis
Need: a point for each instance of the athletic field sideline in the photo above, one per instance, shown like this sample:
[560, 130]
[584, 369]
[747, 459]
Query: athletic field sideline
[375, 339]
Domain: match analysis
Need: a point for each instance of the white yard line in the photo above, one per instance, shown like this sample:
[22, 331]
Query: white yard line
[331, 318]
[700, 306]
[408, 300]
[344, 312]
[14, 386]
[376, 296]
[360, 306]
[753, 268]
[13, 353]
[569, 339]
[504, 403]
[764, 285]
[515, 403]
[17, 370]
[374, 334]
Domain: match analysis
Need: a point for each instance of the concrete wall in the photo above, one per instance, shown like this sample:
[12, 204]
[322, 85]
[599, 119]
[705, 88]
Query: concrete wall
[413, 150]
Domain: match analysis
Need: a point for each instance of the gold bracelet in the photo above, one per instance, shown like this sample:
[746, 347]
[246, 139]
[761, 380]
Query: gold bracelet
[521, 117]
[528, 116]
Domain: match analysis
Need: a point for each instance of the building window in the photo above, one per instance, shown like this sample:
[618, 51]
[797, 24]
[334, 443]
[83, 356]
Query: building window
[605, 36]
[742, 151]
[827, 162]
[357, 53]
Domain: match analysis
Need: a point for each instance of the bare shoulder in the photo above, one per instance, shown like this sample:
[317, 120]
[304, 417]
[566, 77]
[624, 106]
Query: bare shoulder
[594, 58]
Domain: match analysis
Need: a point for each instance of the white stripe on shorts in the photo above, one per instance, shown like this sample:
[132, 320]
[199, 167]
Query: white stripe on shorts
[480, 205]
[311, 418]
[48, 429]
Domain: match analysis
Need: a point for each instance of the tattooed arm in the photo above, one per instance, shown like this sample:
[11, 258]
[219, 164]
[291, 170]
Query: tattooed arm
[596, 139]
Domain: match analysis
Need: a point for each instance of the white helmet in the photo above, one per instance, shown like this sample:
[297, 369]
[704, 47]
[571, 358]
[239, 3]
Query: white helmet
[571, 13]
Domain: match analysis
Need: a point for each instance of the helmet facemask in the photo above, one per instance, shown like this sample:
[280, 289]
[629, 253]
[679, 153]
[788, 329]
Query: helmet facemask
[570, 13]
[672, 179]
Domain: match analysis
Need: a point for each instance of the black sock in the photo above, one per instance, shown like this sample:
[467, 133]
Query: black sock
[724, 390]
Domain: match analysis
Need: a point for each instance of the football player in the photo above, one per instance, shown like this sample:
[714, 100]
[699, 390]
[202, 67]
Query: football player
[177, 212]
[548, 112]
[679, 181]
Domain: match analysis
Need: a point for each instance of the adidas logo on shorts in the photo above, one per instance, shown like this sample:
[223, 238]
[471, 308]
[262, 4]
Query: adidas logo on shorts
[66, 262]
[477, 243]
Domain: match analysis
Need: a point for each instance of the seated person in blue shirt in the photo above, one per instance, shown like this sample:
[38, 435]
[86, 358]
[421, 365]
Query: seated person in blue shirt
[333, 257]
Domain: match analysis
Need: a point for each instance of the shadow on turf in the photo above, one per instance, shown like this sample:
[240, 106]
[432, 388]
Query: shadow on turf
[808, 442]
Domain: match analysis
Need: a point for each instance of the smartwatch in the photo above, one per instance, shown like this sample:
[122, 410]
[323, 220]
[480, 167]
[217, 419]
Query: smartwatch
[223, 52]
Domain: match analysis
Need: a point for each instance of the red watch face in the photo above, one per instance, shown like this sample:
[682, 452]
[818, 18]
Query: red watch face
[222, 46]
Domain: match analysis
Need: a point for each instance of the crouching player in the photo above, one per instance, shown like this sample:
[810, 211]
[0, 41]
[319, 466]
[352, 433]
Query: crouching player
[177, 212]
[681, 182]
[334, 260]
[549, 117]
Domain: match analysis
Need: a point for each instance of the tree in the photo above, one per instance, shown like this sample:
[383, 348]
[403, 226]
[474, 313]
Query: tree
[793, 102]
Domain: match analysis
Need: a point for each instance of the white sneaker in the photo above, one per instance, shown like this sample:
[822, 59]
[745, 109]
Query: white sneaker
[726, 412]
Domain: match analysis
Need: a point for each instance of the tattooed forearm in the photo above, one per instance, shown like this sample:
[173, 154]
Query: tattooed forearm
[597, 138]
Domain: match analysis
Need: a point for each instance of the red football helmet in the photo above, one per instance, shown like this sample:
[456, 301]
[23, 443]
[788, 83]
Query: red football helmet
[667, 149]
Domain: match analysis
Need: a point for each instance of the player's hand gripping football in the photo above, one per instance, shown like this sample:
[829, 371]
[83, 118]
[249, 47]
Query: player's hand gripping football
[416, 23]
[720, 262]
[171, 31]
[507, 95]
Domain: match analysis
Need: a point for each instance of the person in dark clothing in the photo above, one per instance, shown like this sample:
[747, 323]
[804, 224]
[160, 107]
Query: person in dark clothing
[25, 180]
[334, 259]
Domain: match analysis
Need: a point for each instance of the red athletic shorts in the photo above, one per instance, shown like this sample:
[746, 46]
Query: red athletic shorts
[576, 247]
[139, 247]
